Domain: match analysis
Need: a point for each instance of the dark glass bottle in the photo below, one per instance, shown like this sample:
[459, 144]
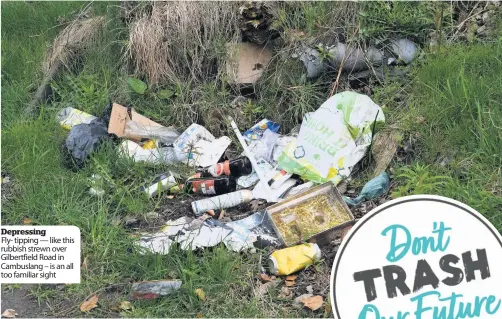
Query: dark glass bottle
[236, 167]
[211, 185]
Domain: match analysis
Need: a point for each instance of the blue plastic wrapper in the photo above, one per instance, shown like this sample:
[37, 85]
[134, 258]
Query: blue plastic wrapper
[373, 189]
[256, 132]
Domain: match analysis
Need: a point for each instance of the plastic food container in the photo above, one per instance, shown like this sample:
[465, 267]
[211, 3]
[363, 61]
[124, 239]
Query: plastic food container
[310, 214]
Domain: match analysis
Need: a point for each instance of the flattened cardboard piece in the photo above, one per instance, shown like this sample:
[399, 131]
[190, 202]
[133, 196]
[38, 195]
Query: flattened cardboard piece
[119, 118]
[247, 61]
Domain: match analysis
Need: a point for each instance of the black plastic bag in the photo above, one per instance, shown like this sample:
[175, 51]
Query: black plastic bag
[84, 139]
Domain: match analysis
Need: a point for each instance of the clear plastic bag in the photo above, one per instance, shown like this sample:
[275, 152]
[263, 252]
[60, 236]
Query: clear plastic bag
[166, 135]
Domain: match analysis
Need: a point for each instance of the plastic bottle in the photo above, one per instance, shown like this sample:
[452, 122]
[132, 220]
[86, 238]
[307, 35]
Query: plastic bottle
[199, 207]
[236, 167]
[292, 259]
[211, 185]
[146, 290]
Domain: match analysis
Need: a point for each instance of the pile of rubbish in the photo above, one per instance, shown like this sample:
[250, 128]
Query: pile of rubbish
[360, 63]
[296, 175]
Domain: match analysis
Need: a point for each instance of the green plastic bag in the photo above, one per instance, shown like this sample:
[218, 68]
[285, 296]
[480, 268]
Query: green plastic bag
[333, 138]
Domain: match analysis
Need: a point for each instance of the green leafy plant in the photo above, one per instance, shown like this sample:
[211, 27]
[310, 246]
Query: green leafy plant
[166, 94]
[141, 88]
[418, 180]
[324, 53]
[84, 92]
[137, 85]
[251, 110]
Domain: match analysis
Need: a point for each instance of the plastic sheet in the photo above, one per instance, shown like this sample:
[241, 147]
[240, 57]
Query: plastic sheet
[84, 139]
[333, 138]
[371, 190]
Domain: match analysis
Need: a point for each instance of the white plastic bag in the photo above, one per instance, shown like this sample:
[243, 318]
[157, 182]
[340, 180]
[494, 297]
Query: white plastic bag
[333, 138]
[166, 135]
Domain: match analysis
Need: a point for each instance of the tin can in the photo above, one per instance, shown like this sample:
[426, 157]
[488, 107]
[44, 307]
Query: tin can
[162, 183]
[292, 259]
[221, 202]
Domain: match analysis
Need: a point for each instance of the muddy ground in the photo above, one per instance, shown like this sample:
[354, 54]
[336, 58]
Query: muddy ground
[20, 299]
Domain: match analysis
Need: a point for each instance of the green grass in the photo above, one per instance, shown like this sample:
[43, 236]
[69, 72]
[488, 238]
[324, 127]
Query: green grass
[51, 194]
[414, 20]
[455, 94]
[454, 113]
[37, 24]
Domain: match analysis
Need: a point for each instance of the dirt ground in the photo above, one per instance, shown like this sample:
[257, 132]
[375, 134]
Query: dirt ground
[25, 305]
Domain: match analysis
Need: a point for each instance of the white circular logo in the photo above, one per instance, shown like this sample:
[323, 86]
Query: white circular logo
[419, 257]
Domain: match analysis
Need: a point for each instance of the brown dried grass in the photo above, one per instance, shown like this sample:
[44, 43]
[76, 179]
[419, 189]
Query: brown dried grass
[182, 40]
[77, 36]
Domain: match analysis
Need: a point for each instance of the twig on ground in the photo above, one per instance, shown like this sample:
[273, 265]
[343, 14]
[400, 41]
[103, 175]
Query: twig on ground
[469, 17]
[58, 25]
[335, 84]
[372, 135]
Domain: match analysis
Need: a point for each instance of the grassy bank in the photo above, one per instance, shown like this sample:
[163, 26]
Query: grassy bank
[449, 112]
[453, 117]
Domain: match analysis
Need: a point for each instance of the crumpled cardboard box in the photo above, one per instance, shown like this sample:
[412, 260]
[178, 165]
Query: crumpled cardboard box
[246, 62]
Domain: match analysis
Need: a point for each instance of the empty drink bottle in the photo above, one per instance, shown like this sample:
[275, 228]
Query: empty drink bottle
[211, 185]
[236, 167]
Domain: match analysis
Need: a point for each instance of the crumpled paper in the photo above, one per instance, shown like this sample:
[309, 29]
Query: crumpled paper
[191, 234]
